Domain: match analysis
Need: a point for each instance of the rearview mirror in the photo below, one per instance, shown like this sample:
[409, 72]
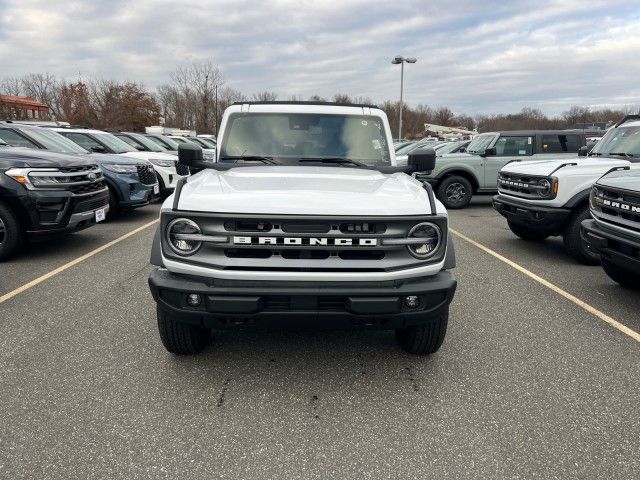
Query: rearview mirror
[191, 155]
[98, 149]
[490, 151]
[583, 151]
[422, 160]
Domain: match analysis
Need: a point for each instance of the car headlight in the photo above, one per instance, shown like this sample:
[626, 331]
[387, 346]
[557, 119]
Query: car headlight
[120, 168]
[182, 235]
[545, 187]
[209, 156]
[32, 178]
[432, 236]
[163, 162]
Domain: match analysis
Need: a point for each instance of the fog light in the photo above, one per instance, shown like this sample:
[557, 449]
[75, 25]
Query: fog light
[412, 301]
[194, 300]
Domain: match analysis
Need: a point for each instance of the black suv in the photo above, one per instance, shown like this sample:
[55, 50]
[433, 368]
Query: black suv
[45, 195]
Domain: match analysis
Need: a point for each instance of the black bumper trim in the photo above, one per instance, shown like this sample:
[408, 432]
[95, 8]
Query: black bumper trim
[303, 304]
[548, 219]
[618, 249]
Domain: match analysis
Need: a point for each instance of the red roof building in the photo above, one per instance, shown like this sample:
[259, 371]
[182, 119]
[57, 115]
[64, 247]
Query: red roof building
[22, 107]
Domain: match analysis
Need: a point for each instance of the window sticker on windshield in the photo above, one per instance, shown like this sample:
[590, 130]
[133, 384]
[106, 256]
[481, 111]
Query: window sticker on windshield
[376, 144]
[528, 140]
[522, 152]
[364, 123]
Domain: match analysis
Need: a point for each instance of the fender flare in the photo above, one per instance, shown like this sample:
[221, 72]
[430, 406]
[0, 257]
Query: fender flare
[450, 258]
[578, 198]
[156, 250]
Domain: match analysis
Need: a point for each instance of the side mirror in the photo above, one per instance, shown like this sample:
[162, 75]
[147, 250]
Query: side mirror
[583, 151]
[191, 155]
[98, 149]
[140, 148]
[422, 160]
[490, 152]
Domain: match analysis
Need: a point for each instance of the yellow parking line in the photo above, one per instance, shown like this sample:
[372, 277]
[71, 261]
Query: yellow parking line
[594, 311]
[70, 264]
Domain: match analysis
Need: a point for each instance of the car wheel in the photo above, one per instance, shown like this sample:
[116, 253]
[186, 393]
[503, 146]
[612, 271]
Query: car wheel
[114, 206]
[575, 245]
[620, 275]
[526, 233]
[455, 192]
[426, 338]
[10, 233]
[181, 338]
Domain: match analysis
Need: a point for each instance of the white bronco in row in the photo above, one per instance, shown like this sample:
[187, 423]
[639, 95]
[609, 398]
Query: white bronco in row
[303, 221]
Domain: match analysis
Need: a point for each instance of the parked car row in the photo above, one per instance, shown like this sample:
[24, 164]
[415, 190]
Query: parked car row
[56, 180]
[592, 201]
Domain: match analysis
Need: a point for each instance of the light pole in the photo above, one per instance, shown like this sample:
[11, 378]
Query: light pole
[401, 60]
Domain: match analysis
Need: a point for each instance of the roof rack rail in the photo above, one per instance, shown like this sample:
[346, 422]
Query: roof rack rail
[627, 118]
[291, 102]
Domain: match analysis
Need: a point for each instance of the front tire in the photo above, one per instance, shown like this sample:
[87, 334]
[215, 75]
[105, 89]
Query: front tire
[575, 245]
[181, 338]
[10, 233]
[426, 338]
[526, 233]
[620, 275]
[455, 192]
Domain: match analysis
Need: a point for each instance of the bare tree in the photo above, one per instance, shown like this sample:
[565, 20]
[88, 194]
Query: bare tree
[265, 96]
[342, 98]
[45, 88]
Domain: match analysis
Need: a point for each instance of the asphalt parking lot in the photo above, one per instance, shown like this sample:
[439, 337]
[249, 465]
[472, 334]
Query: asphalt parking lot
[527, 384]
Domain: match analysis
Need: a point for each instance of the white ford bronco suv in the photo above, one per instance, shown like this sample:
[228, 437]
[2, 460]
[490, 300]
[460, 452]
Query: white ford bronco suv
[614, 231]
[543, 199]
[303, 221]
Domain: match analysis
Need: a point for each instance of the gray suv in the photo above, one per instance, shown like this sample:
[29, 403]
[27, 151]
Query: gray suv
[458, 176]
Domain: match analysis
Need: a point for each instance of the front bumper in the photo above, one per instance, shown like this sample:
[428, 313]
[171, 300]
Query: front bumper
[132, 193]
[254, 304]
[618, 248]
[55, 213]
[537, 217]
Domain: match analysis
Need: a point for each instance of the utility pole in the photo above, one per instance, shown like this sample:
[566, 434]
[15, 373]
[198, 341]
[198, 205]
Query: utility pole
[401, 60]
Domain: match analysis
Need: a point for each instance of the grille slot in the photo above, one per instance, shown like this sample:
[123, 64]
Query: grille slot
[247, 253]
[88, 187]
[84, 168]
[146, 175]
[620, 207]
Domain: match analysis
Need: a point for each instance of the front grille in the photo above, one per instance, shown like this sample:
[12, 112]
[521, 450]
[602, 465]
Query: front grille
[617, 206]
[525, 186]
[306, 244]
[84, 168]
[88, 187]
[79, 180]
[182, 169]
[324, 303]
[91, 204]
[147, 175]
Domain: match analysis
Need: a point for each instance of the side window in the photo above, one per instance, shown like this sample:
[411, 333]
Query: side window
[559, 143]
[130, 141]
[514, 146]
[83, 140]
[14, 139]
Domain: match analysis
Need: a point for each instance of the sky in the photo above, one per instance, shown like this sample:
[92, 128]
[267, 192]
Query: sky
[473, 56]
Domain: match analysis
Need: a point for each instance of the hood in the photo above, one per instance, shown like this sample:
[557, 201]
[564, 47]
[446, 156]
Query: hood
[101, 158]
[304, 190]
[578, 165]
[148, 155]
[16, 157]
[624, 179]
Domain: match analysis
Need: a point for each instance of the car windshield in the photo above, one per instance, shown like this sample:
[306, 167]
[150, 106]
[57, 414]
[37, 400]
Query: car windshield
[165, 142]
[448, 148]
[295, 136]
[198, 141]
[147, 143]
[53, 141]
[405, 148]
[113, 143]
[621, 140]
[208, 142]
[480, 143]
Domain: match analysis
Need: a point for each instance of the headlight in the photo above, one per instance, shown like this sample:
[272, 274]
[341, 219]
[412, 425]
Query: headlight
[432, 236]
[119, 168]
[209, 156]
[545, 187]
[162, 162]
[36, 177]
[180, 236]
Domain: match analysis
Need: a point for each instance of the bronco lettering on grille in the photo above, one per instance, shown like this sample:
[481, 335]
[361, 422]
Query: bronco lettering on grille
[620, 206]
[306, 241]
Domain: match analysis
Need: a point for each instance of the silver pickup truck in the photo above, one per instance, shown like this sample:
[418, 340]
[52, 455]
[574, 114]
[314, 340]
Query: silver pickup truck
[457, 177]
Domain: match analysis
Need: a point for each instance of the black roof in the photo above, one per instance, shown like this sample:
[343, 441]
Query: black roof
[536, 132]
[284, 102]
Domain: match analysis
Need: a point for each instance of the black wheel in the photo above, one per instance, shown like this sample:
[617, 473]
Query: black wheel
[576, 246]
[526, 233]
[181, 338]
[424, 339]
[623, 277]
[10, 233]
[455, 192]
[114, 205]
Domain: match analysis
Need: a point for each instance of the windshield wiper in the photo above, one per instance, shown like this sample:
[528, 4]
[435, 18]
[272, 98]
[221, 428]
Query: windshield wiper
[622, 154]
[252, 158]
[338, 160]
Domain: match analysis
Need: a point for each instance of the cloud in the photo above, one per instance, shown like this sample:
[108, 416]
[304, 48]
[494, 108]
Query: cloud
[472, 56]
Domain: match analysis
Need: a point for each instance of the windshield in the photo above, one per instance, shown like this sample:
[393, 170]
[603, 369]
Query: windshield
[113, 143]
[448, 148]
[624, 140]
[297, 136]
[53, 141]
[208, 142]
[147, 143]
[165, 142]
[405, 148]
[198, 141]
[480, 143]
